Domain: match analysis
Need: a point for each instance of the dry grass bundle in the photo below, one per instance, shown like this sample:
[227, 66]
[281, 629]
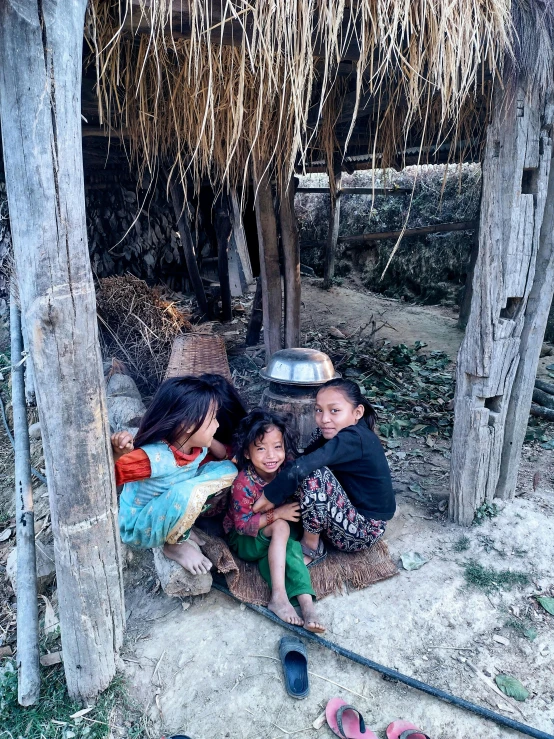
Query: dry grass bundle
[209, 106]
[137, 327]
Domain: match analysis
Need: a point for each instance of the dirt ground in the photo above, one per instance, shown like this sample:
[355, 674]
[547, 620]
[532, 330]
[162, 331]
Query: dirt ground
[207, 666]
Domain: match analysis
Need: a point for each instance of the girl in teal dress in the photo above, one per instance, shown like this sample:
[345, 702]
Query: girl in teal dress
[165, 485]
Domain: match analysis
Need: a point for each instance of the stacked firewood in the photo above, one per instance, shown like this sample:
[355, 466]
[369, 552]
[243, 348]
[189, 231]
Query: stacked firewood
[543, 400]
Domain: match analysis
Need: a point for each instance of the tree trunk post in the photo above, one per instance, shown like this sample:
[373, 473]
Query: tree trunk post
[291, 258]
[515, 177]
[270, 275]
[256, 317]
[41, 46]
[28, 669]
[183, 225]
[223, 231]
[334, 223]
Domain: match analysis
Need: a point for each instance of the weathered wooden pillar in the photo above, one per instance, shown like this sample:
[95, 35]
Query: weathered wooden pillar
[181, 216]
[516, 170]
[223, 228]
[270, 275]
[334, 224]
[41, 44]
[291, 259]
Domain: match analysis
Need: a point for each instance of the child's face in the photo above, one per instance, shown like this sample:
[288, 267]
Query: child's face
[334, 412]
[267, 454]
[205, 434]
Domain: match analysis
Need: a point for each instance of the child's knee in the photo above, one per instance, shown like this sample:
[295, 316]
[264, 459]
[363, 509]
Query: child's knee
[280, 527]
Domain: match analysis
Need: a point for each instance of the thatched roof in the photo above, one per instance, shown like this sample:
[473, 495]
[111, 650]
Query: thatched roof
[207, 84]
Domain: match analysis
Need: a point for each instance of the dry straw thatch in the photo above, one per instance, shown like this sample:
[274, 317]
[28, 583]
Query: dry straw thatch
[209, 105]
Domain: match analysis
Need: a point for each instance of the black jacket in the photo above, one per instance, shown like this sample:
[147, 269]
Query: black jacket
[357, 459]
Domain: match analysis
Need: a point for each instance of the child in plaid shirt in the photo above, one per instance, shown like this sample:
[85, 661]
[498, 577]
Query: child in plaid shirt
[263, 441]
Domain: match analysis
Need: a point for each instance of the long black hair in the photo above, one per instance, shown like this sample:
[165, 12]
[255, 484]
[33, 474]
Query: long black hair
[231, 407]
[180, 403]
[353, 394]
[258, 423]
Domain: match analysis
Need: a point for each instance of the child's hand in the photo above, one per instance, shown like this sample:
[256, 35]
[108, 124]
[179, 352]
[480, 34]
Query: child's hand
[288, 512]
[122, 443]
[218, 449]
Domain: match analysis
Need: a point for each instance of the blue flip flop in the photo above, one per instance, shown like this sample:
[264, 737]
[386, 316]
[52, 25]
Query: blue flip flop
[294, 659]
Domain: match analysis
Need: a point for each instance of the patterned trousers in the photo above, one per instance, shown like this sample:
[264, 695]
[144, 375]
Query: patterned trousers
[326, 510]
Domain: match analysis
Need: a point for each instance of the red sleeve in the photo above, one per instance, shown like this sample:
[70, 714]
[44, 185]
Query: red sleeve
[243, 498]
[132, 467]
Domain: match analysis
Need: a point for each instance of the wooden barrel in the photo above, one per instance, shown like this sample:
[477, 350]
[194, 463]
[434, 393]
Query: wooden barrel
[298, 401]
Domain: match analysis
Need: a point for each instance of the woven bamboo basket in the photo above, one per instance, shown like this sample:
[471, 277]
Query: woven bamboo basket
[194, 354]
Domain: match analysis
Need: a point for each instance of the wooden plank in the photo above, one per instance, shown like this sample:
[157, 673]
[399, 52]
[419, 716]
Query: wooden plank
[291, 259]
[28, 684]
[240, 243]
[270, 274]
[419, 231]
[41, 47]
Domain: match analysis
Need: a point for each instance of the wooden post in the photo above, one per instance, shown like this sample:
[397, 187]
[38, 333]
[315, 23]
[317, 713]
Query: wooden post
[256, 318]
[28, 668]
[516, 170]
[223, 230]
[270, 276]
[41, 44]
[291, 258]
[334, 222]
[241, 245]
[182, 218]
[465, 306]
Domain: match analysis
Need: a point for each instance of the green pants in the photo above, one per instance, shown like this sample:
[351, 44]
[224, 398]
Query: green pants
[255, 549]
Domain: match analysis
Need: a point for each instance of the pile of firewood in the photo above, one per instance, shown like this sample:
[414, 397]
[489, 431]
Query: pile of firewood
[543, 400]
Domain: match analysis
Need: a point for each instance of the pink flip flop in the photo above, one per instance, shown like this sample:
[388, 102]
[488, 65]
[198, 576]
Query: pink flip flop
[346, 721]
[404, 730]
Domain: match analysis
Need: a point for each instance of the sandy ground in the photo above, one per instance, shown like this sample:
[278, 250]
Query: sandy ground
[207, 667]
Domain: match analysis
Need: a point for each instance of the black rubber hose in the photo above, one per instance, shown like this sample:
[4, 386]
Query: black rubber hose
[36, 473]
[394, 675]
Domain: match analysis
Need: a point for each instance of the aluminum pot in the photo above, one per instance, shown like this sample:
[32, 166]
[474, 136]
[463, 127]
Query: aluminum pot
[299, 367]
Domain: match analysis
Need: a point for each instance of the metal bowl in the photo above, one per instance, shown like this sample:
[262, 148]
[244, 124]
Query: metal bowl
[299, 367]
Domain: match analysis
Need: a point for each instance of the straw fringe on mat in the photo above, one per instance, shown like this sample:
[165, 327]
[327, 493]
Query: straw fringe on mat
[194, 354]
[338, 573]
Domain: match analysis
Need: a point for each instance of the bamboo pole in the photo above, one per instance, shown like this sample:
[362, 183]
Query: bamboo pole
[28, 669]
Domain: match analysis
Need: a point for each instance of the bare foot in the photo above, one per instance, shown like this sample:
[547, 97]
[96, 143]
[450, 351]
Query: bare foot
[189, 556]
[308, 612]
[281, 607]
[195, 536]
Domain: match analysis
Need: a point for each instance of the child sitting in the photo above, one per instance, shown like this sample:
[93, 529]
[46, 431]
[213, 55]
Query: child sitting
[347, 495]
[165, 488]
[263, 441]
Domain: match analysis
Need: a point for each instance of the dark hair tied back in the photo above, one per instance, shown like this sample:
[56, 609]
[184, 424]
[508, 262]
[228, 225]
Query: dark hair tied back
[353, 394]
[255, 425]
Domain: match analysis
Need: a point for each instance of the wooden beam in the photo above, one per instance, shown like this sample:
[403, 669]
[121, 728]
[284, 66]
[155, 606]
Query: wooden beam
[28, 666]
[40, 103]
[356, 190]
[419, 231]
[291, 259]
[270, 275]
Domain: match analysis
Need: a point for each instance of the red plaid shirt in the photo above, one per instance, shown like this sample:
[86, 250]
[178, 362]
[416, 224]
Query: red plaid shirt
[247, 488]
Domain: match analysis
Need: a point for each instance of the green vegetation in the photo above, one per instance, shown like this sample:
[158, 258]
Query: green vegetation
[487, 510]
[462, 545]
[488, 578]
[51, 718]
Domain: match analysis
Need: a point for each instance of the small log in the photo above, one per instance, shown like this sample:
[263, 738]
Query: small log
[223, 229]
[27, 605]
[540, 412]
[256, 318]
[544, 399]
[420, 231]
[546, 387]
[176, 581]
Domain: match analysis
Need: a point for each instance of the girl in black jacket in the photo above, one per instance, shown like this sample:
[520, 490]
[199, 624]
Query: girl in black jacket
[344, 478]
